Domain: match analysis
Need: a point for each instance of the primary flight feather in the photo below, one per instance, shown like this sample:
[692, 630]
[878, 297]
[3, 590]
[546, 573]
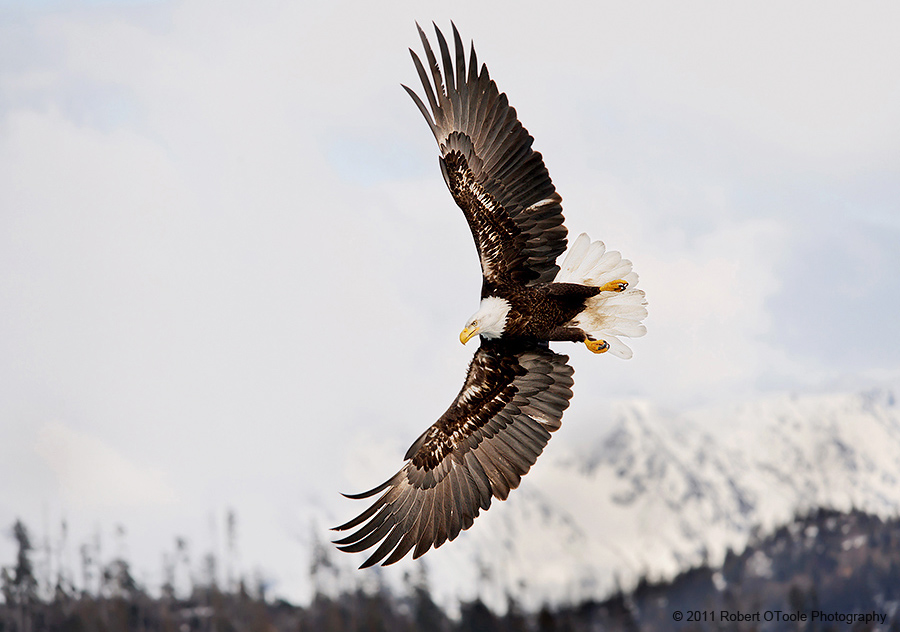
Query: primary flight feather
[516, 388]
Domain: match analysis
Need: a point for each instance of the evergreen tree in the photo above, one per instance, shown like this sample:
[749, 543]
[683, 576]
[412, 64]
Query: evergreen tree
[427, 615]
[24, 580]
[20, 586]
[477, 617]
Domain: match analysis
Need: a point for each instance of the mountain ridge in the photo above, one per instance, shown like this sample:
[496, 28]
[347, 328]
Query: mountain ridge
[660, 493]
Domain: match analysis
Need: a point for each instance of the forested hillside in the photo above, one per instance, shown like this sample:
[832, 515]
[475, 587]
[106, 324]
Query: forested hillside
[826, 571]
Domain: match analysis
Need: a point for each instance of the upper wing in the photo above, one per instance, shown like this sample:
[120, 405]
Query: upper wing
[499, 182]
[491, 435]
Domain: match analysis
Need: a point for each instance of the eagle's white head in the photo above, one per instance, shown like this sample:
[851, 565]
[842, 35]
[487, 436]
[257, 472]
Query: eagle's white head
[489, 320]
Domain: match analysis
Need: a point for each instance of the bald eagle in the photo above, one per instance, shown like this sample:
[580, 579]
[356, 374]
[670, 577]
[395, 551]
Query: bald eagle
[516, 388]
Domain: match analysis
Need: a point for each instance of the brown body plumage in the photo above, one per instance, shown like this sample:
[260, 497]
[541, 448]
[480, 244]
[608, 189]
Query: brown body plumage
[541, 312]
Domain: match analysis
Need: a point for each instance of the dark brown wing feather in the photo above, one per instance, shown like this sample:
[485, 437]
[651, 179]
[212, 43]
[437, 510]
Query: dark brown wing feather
[512, 399]
[496, 178]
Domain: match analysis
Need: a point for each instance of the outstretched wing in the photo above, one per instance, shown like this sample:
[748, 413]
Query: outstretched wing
[491, 435]
[496, 178]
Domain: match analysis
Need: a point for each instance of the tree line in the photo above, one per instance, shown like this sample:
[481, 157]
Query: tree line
[842, 562]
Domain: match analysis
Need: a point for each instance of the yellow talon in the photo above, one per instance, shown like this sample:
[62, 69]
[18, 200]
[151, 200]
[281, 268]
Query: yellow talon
[597, 346]
[615, 286]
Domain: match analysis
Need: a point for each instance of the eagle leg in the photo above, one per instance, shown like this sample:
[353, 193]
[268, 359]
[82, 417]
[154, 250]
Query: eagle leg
[575, 334]
[615, 286]
[567, 334]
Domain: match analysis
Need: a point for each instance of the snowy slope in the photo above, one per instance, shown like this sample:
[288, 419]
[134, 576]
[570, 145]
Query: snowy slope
[661, 492]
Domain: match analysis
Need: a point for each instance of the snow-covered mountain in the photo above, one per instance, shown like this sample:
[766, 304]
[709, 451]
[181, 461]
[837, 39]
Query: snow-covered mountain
[662, 492]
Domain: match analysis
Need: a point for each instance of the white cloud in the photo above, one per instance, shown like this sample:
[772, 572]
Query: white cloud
[93, 474]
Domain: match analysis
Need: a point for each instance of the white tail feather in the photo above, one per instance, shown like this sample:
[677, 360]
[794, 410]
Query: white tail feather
[609, 314]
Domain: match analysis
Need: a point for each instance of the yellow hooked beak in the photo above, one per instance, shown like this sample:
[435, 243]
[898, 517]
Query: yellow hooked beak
[466, 334]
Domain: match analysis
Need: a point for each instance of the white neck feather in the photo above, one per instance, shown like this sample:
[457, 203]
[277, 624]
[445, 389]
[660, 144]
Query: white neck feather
[490, 319]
